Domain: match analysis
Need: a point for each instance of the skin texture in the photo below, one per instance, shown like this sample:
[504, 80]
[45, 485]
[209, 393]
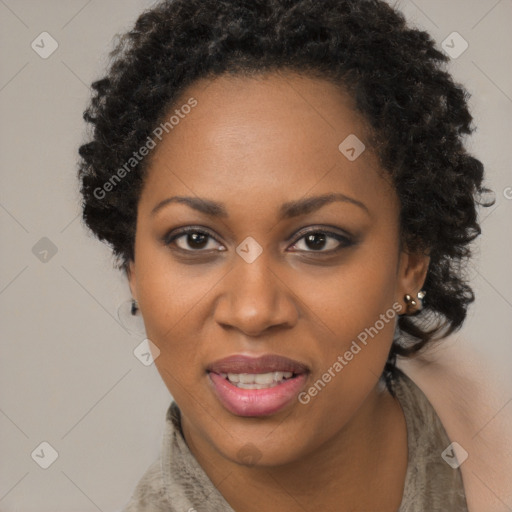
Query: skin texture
[254, 144]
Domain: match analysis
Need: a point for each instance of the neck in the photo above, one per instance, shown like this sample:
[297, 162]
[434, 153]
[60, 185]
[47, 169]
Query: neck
[370, 452]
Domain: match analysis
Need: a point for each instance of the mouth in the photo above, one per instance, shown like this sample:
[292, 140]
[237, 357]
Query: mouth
[262, 386]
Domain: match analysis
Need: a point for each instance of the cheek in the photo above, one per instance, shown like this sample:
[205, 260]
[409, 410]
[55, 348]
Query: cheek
[357, 313]
[351, 297]
[166, 288]
[165, 293]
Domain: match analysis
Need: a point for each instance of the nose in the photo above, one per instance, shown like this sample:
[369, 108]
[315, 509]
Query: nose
[254, 298]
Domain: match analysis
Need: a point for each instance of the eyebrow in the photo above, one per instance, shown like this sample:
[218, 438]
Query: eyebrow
[287, 210]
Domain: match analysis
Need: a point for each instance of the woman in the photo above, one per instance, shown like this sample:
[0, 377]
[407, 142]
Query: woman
[286, 186]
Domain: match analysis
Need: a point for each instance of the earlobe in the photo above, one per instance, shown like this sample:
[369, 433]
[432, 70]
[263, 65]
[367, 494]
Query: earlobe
[413, 270]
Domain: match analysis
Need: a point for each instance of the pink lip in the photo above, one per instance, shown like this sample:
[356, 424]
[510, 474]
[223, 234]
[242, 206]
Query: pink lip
[256, 402]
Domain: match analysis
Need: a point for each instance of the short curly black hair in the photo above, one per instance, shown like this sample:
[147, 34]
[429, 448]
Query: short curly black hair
[418, 118]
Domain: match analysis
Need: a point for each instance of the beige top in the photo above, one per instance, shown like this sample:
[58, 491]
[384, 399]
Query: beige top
[175, 482]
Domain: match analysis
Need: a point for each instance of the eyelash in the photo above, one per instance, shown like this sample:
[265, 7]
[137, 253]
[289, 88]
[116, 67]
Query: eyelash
[344, 241]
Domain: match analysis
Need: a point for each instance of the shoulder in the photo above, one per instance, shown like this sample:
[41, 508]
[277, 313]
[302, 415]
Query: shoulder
[476, 412]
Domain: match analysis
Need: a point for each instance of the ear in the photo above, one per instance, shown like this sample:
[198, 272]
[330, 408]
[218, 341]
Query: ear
[412, 272]
[132, 279]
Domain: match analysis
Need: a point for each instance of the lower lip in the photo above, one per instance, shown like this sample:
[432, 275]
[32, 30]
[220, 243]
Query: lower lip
[256, 402]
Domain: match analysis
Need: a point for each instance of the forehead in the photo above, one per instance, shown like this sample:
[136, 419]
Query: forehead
[251, 135]
[269, 110]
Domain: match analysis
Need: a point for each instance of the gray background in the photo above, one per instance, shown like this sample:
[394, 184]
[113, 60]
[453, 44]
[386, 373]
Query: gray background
[68, 375]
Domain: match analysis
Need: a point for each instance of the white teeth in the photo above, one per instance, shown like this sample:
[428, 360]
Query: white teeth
[256, 380]
[264, 378]
[246, 378]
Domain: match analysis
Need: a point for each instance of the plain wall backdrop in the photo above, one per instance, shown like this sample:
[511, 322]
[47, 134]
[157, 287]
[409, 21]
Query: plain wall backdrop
[68, 375]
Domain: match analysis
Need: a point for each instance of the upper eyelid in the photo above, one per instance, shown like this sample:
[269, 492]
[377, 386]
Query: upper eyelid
[331, 231]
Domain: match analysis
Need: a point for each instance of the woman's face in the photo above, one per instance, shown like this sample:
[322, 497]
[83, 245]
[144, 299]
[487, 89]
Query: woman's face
[293, 254]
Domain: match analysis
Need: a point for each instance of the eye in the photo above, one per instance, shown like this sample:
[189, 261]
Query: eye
[195, 240]
[192, 239]
[321, 241]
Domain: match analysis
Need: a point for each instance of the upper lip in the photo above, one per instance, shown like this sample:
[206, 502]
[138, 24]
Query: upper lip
[264, 364]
